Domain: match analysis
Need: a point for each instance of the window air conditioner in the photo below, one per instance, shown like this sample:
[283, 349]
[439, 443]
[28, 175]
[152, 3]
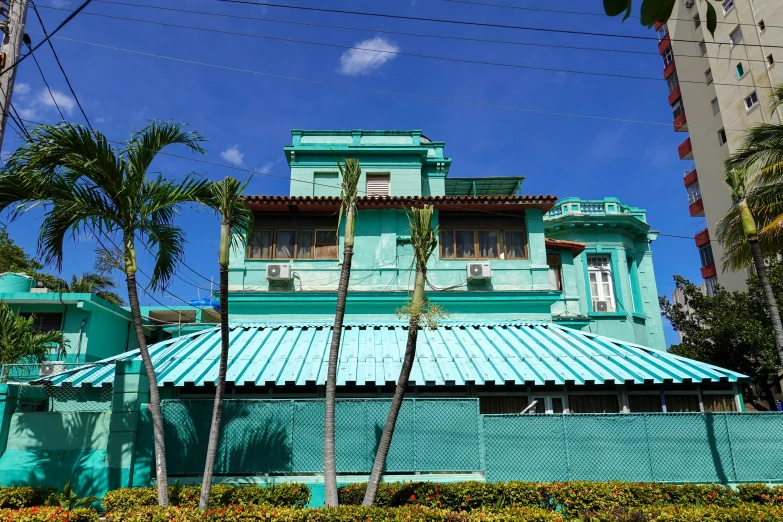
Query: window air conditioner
[479, 271]
[278, 272]
[51, 368]
[602, 306]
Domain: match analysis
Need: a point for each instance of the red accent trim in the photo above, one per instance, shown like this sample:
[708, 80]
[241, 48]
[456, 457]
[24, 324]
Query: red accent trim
[657, 25]
[669, 69]
[679, 121]
[559, 244]
[702, 238]
[674, 95]
[697, 207]
[685, 148]
[709, 271]
[691, 178]
[663, 44]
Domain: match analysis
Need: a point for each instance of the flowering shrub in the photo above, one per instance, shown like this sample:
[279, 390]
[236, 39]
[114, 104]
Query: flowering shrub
[48, 514]
[25, 496]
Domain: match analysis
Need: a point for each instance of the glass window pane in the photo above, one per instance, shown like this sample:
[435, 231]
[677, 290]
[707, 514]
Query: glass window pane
[446, 244]
[304, 244]
[488, 243]
[326, 244]
[465, 247]
[515, 244]
[284, 244]
[261, 245]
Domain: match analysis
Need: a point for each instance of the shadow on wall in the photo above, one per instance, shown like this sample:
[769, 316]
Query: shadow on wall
[48, 449]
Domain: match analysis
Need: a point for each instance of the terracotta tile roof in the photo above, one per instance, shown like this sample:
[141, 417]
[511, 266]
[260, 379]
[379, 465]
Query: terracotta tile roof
[544, 202]
[559, 244]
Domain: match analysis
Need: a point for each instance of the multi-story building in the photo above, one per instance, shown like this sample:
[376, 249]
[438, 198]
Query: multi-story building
[719, 87]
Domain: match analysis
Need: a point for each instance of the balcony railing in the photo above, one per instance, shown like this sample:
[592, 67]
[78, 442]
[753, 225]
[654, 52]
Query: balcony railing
[22, 373]
[690, 169]
[607, 206]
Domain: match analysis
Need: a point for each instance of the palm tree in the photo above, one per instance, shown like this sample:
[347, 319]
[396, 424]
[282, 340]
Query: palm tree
[21, 343]
[350, 182]
[91, 187]
[424, 241]
[98, 284]
[236, 224]
[739, 233]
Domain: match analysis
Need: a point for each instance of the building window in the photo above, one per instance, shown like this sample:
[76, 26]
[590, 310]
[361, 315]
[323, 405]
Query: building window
[736, 36]
[696, 21]
[708, 76]
[770, 60]
[672, 82]
[555, 271]
[294, 237]
[722, 136]
[662, 32]
[601, 286]
[762, 26]
[677, 108]
[593, 403]
[705, 254]
[751, 100]
[728, 5]
[377, 184]
[715, 106]
[710, 283]
[740, 70]
[668, 56]
[469, 237]
[45, 322]
[694, 193]
[702, 48]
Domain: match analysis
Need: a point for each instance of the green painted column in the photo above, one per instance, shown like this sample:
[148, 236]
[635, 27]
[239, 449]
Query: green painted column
[131, 389]
[536, 249]
[8, 395]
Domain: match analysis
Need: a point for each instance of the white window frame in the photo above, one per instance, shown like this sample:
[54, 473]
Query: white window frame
[733, 36]
[728, 5]
[599, 272]
[662, 32]
[548, 408]
[668, 56]
[677, 108]
[694, 193]
[753, 102]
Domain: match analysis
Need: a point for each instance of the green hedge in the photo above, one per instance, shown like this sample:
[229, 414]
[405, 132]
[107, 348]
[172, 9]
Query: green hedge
[48, 514]
[24, 496]
[569, 496]
[280, 495]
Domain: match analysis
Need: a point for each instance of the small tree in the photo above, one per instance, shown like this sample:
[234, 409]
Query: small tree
[21, 343]
[350, 174]
[424, 241]
[236, 224]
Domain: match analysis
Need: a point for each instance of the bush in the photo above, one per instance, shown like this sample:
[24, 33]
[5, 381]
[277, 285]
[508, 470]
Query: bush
[279, 495]
[26, 496]
[47, 514]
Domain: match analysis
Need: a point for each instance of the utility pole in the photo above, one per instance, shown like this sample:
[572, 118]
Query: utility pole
[9, 55]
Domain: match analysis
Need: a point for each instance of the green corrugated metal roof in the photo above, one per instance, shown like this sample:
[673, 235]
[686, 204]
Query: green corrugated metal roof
[371, 354]
[488, 186]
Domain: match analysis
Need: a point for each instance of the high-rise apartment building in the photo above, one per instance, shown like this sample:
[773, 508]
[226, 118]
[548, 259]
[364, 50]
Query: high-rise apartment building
[718, 88]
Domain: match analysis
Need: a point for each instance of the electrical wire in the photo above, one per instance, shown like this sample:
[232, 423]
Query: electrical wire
[48, 88]
[418, 55]
[213, 14]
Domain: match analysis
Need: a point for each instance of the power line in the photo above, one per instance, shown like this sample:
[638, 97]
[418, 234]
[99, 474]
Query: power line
[477, 24]
[48, 88]
[59, 64]
[414, 55]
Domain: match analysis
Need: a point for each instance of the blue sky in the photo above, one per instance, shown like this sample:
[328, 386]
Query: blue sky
[247, 117]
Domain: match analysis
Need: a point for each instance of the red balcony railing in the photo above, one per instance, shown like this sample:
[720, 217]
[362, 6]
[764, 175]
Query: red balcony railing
[664, 43]
[709, 271]
[690, 176]
[674, 95]
[697, 208]
[702, 238]
[669, 69]
[680, 123]
[685, 149]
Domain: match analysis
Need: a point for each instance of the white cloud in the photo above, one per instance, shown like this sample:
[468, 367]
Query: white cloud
[60, 3]
[233, 156]
[266, 167]
[22, 89]
[367, 56]
[65, 102]
[100, 120]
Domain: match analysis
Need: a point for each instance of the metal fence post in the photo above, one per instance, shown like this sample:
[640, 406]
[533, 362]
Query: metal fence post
[565, 445]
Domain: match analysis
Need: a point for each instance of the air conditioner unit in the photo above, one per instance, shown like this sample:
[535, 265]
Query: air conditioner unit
[51, 368]
[602, 306]
[278, 272]
[479, 271]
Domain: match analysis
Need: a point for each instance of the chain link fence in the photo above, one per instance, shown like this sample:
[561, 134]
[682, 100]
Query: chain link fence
[63, 399]
[24, 373]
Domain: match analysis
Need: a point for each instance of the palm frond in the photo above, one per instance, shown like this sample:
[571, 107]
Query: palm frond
[167, 241]
[423, 237]
[762, 149]
[236, 218]
[776, 98]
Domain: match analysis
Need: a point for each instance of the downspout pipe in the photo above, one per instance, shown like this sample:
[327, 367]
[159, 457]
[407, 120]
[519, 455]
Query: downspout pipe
[79, 343]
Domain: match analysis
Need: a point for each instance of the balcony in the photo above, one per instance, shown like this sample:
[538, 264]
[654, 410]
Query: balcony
[702, 238]
[598, 207]
[709, 271]
[690, 177]
[664, 43]
[674, 95]
[669, 69]
[680, 123]
[685, 150]
[697, 208]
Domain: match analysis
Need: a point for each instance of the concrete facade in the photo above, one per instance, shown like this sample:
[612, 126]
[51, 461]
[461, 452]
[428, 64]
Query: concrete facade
[711, 79]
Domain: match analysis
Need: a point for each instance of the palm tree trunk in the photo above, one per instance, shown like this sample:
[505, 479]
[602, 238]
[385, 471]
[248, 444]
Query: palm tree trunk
[217, 410]
[399, 391]
[157, 420]
[330, 462]
[769, 296]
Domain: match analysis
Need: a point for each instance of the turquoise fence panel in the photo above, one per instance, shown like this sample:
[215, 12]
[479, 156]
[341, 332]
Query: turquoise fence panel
[186, 432]
[690, 447]
[756, 446]
[256, 437]
[308, 437]
[447, 435]
[607, 447]
[402, 453]
[351, 436]
[525, 447]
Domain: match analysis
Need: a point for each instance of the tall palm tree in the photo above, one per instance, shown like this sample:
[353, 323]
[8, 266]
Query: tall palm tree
[350, 174]
[92, 187]
[98, 284]
[236, 224]
[739, 233]
[424, 241]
